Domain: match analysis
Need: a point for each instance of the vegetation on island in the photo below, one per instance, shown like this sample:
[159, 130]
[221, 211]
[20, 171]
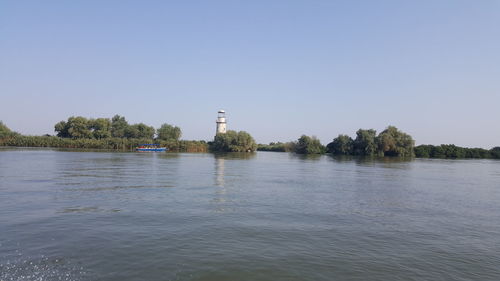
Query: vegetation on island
[104, 133]
[308, 145]
[117, 134]
[5, 132]
[277, 147]
[304, 145]
[390, 142]
[453, 151]
[233, 141]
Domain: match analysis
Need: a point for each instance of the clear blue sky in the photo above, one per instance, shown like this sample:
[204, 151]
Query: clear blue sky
[279, 68]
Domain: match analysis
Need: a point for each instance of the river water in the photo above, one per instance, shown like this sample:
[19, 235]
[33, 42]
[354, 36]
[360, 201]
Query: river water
[67, 215]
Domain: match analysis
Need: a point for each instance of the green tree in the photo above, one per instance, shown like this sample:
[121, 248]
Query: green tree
[245, 142]
[477, 153]
[118, 126]
[101, 128]
[495, 152]
[233, 141]
[392, 142]
[309, 145]
[62, 129]
[169, 132]
[4, 130]
[423, 151]
[144, 131]
[341, 145]
[438, 152]
[364, 144]
[131, 132]
[76, 128]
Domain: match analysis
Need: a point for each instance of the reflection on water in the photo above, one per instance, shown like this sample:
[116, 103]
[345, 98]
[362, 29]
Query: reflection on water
[235, 155]
[219, 171]
[391, 162]
[311, 157]
[86, 209]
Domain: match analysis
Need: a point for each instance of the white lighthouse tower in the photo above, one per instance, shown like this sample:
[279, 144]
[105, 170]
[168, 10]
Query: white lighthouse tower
[221, 122]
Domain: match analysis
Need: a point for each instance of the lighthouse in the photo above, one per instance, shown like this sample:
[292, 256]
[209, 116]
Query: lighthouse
[221, 122]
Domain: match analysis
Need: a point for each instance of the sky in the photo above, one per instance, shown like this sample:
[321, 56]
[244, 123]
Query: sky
[280, 69]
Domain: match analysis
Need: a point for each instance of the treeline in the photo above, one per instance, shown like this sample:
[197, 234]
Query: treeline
[103, 133]
[453, 151]
[390, 142]
[277, 147]
[117, 127]
[109, 143]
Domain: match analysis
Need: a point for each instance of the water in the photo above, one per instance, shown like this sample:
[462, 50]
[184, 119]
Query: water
[271, 216]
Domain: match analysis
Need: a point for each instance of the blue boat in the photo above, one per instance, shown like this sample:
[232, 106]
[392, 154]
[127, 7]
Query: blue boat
[150, 147]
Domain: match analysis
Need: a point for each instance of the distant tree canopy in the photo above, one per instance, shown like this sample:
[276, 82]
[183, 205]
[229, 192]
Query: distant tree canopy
[5, 131]
[116, 133]
[453, 151]
[233, 141]
[118, 126]
[139, 131]
[390, 142]
[393, 142]
[341, 145]
[495, 152]
[169, 132]
[103, 128]
[76, 128]
[309, 145]
[365, 143]
[277, 147]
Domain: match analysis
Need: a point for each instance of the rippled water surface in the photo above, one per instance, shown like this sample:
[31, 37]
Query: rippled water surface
[268, 216]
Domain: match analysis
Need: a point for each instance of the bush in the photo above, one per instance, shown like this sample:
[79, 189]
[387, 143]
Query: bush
[276, 146]
[233, 141]
[309, 145]
[341, 145]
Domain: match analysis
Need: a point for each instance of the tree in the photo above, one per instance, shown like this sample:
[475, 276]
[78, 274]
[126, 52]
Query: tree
[423, 151]
[101, 128]
[364, 144]
[244, 142]
[75, 127]
[146, 131]
[309, 145]
[341, 145]
[495, 152]
[233, 141]
[62, 129]
[392, 142]
[168, 132]
[4, 130]
[140, 131]
[118, 126]
[131, 132]
[78, 127]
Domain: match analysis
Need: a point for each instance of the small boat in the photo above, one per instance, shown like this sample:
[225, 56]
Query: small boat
[150, 147]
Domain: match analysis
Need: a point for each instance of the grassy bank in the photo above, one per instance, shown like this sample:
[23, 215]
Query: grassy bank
[108, 143]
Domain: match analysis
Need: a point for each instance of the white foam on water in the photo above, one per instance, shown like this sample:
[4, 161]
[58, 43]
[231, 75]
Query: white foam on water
[40, 269]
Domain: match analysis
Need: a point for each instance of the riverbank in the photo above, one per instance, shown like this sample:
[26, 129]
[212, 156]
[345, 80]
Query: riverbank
[108, 143]
[443, 151]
